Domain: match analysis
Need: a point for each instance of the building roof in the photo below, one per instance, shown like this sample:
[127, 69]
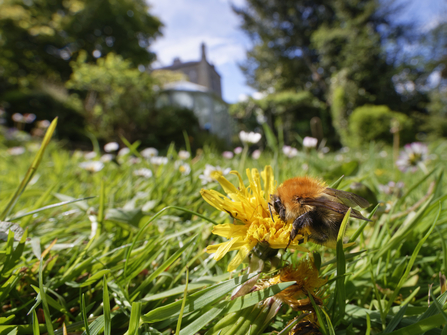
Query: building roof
[178, 66]
[184, 85]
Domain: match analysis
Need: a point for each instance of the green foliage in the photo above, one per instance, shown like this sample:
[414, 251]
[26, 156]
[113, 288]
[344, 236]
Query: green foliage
[119, 100]
[373, 123]
[47, 107]
[38, 41]
[345, 53]
[293, 110]
[131, 274]
[50, 33]
[118, 97]
[339, 113]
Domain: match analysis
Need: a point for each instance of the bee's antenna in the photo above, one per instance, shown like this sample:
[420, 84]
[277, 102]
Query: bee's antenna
[270, 210]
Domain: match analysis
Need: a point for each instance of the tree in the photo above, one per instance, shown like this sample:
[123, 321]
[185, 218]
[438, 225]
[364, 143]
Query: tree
[338, 50]
[38, 38]
[116, 99]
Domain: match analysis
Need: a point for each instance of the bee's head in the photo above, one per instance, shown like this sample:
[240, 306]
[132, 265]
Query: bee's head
[278, 206]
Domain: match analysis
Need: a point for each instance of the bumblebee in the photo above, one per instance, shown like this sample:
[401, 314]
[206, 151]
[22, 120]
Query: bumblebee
[309, 203]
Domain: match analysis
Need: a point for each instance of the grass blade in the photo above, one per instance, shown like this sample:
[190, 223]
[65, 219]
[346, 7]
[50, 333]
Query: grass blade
[30, 173]
[340, 290]
[179, 323]
[412, 260]
[84, 314]
[134, 322]
[43, 296]
[106, 308]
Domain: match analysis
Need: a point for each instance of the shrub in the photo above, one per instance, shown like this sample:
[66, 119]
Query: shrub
[46, 107]
[373, 123]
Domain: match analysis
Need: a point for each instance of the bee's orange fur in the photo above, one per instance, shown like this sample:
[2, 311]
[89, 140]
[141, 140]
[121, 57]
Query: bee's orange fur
[299, 187]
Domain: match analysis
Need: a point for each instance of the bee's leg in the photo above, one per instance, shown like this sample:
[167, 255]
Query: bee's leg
[270, 210]
[298, 223]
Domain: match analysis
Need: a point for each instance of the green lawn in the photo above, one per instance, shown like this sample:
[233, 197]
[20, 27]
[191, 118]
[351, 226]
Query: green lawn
[121, 249]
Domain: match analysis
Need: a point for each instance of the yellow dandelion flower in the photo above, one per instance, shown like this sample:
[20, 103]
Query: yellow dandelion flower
[252, 220]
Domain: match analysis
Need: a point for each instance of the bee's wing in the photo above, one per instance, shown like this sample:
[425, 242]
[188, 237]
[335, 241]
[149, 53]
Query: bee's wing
[334, 206]
[348, 198]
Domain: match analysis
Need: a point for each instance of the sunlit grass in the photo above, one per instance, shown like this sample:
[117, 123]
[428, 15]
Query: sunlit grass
[115, 249]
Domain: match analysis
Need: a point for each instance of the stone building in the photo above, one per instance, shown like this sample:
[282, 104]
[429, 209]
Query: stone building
[200, 72]
[202, 93]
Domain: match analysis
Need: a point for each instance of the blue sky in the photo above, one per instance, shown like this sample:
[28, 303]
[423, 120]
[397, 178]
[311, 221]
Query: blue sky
[188, 23]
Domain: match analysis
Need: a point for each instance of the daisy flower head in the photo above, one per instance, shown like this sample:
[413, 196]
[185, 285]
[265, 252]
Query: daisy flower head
[149, 153]
[227, 154]
[159, 160]
[253, 224]
[106, 158]
[250, 137]
[413, 156]
[238, 150]
[211, 173]
[44, 124]
[182, 167]
[111, 146]
[16, 151]
[143, 172]
[124, 151]
[183, 154]
[256, 154]
[310, 142]
[90, 155]
[92, 166]
[289, 151]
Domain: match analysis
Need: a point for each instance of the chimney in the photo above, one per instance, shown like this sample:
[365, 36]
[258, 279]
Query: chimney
[203, 52]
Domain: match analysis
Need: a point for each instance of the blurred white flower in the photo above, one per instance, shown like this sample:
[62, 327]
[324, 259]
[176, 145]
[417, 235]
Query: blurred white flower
[124, 151]
[183, 154]
[344, 149]
[211, 172]
[106, 158]
[383, 154]
[339, 158]
[90, 155]
[159, 160]
[78, 154]
[29, 117]
[325, 150]
[256, 154]
[134, 160]
[392, 188]
[111, 146]
[184, 169]
[145, 173]
[238, 150]
[149, 152]
[227, 154]
[310, 142]
[17, 117]
[92, 166]
[305, 167]
[33, 147]
[15, 151]
[43, 124]
[289, 151]
[413, 156]
[250, 137]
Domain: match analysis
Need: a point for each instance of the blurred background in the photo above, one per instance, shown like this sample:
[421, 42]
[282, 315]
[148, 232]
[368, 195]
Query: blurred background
[346, 72]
